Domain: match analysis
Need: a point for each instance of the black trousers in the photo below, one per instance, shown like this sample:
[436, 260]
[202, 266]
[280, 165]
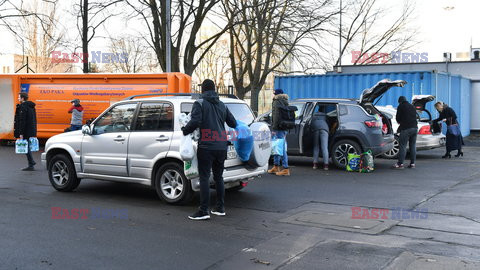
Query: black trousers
[31, 162]
[211, 161]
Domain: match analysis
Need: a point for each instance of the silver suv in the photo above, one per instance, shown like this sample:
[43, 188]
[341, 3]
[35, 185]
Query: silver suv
[137, 141]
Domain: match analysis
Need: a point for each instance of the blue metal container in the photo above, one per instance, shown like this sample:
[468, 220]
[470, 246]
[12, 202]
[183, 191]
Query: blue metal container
[451, 89]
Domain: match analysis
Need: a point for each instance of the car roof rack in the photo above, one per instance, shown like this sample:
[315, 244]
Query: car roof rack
[193, 95]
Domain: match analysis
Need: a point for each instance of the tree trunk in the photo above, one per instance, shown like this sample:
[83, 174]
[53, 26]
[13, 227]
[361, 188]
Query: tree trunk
[85, 36]
[254, 93]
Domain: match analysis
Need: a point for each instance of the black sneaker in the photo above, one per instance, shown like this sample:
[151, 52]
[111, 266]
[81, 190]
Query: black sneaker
[29, 168]
[199, 215]
[218, 212]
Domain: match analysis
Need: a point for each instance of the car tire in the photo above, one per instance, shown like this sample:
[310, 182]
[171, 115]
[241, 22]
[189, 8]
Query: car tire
[172, 185]
[393, 153]
[340, 151]
[62, 174]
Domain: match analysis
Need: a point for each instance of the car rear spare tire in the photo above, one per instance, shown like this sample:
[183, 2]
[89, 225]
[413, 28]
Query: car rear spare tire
[261, 145]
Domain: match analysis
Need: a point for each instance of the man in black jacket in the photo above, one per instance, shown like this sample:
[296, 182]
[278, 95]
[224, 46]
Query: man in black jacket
[210, 115]
[25, 125]
[407, 119]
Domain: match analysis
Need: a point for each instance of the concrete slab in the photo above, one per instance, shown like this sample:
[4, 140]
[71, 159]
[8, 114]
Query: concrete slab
[337, 217]
[410, 261]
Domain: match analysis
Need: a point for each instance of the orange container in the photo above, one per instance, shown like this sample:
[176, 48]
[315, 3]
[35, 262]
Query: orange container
[52, 94]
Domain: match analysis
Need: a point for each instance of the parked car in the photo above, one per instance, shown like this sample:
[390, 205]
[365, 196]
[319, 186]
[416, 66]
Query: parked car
[428, 137]
[138, 140]
[355, 125]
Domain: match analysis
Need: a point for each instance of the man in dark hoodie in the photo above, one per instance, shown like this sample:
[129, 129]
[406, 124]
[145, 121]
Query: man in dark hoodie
[407, 119]
[279, 100]
[210, 115]
[25, 125]
[77, 115]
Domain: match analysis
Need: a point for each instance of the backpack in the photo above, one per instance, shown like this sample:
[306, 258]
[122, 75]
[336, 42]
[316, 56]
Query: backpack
[287, 117]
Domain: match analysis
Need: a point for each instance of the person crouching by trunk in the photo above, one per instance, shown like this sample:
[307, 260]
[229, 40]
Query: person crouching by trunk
[25, 125]
[77, 115]
[454, 139]
[210, 115]
[407, 118]
[279, 100]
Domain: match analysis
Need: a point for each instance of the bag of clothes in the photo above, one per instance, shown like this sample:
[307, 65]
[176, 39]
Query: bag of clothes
[366, 162]
[353, 163]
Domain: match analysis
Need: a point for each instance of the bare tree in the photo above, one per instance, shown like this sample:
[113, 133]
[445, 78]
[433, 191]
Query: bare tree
[216, 64]
[129, 55]
[187, 19]
[368, 33]
[90, 16]
[265, 36]
[39, 42]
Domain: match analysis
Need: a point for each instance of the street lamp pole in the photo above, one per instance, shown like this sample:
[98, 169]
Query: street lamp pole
[340, 38]
[168, 38]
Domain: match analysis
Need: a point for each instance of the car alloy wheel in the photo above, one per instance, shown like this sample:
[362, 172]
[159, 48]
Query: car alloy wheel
[171, 184]
[60, 172]
[393, 153]
[342, 151]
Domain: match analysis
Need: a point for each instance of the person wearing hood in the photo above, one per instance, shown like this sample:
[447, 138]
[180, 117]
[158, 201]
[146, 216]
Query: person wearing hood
[77, 115]
[320, 136]
[25, 125]
[279, 100]
[407, 119]
[454, 141]
[210, 115]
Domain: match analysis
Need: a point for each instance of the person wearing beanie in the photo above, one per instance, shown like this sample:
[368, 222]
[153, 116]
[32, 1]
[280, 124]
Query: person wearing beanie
[210, 115]
[407, 119]
[77, 115]
[279, 100]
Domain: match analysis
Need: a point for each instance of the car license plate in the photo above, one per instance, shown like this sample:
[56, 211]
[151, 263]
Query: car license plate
[231, 153]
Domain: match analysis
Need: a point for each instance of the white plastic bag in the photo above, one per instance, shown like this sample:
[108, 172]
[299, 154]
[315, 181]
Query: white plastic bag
[184, 119]
[186, 148]
[21, 146]
[190, 168]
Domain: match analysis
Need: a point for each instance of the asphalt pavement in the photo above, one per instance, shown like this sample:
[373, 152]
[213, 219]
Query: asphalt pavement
[305, 221]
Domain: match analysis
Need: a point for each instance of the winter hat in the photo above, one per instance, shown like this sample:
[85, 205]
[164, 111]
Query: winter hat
[402, 99]
[76, 102]
[208, 85]
[278, 92]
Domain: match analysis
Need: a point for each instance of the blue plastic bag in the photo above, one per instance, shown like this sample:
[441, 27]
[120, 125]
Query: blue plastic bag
[243, 141]
[278, 146]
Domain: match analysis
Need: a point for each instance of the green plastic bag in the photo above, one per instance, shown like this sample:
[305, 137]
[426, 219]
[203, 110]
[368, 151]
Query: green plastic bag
[353, 163]
[366, 162]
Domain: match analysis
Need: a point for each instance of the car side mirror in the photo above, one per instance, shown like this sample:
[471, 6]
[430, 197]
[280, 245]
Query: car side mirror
[86, 130]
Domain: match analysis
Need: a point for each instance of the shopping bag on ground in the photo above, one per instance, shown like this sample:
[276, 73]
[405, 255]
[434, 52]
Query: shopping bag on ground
[243, 141]
[186, 148]
[353, 163]
[33, 144]
[366, 162]
[278, 146]
[21, 146]
[190, 168]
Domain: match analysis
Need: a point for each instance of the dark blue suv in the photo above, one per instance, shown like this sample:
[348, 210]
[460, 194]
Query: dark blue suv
[355, 125]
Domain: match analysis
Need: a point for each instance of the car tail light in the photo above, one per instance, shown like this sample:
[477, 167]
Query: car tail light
[373, 124]
[425, 130]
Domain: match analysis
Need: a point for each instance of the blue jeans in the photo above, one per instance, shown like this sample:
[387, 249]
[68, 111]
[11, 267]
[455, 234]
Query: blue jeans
[75, 127]
[279, 134]
[320, 137]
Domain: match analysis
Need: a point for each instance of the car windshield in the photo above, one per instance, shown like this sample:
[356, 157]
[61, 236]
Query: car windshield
[241, 112]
